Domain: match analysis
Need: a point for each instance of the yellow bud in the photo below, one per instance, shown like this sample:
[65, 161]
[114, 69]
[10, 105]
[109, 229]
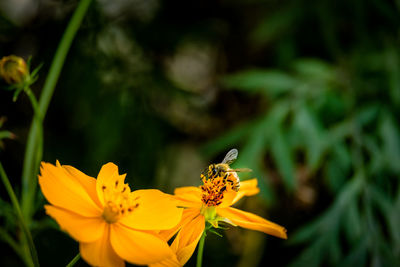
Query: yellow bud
[13, 69]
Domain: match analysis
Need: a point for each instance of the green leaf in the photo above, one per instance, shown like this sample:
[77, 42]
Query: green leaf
[251, 155]
[367, 114]
[352, 223]
[314, 69]
[272, 26]
[270, 82]
[282, 154]
[358, 256]
[6, 134]
[310, 230]
[338, 167]
[313, 254]
[229, 139]
[313, 136]
[391, 141]
[393, 71]
[394, 219]
[329, 220]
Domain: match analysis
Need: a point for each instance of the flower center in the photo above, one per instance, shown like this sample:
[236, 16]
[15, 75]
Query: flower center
[213, 190]
[118, 199]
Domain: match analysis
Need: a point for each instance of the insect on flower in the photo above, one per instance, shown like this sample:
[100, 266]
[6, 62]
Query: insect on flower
[224, 171]
[209, 205]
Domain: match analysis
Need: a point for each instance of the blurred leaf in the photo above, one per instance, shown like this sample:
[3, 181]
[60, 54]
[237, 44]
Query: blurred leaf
[282, 154]
[314, 69]
[391, 141]
[313, 254]
[394, 217]
[352, 222]
[337, 168]
[390, 212]
[358, 256]
[308, 231]
[366, 114]
[270, 82]
[251, 156]
[312, 135]
[340, 131]
[377, 160]
[325, 228]
[272, 26]
[393, 71]
[333, 247]
[230, 139]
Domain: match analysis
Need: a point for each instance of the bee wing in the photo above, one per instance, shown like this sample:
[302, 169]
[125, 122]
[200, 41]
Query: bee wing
[241, 170]
[231, 156]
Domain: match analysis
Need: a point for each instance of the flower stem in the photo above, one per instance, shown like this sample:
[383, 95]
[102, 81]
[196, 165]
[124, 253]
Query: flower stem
[31, 163]
[18, 211]
[200, 250]
[38, 151]
[74, 260]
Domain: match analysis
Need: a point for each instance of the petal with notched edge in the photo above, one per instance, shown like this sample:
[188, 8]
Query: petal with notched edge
[251, 221]
[89, 183]
[64, 191]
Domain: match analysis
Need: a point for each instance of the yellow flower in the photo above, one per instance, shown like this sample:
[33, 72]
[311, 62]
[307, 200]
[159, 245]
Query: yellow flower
[111, 223]
[13, 69]
[212, 203]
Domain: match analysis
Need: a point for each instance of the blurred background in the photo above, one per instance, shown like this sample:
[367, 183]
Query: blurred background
[309, 93]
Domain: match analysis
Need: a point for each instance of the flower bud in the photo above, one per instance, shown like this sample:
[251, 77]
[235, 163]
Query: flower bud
[13, 69]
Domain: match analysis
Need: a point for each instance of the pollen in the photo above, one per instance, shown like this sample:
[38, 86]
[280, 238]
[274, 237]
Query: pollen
[213, 191]
[118, 200]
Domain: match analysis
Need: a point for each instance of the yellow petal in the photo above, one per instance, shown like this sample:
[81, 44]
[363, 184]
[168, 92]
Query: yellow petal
[247, 188]
[156, 211]
[187, 216]
[186, 241]
[191, 190]
[188, 196]
[170, 262]
[100, 252]
[89, 183]
[83, 229]
[251, 221]
[108, 172]
[63, 190]
[138, 247]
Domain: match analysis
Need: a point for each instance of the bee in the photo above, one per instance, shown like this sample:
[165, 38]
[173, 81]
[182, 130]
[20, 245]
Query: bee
[223, 170]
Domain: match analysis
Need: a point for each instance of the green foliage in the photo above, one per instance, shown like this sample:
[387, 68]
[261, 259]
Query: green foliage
[313, 111]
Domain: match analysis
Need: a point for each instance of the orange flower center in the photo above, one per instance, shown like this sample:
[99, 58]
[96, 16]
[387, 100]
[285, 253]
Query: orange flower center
[118, 200]
[213, 190]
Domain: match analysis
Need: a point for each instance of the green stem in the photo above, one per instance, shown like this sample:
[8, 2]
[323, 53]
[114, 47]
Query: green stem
[74, 260]
[18, 211]
[37, 152]
[200, 250]
[29, 180]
